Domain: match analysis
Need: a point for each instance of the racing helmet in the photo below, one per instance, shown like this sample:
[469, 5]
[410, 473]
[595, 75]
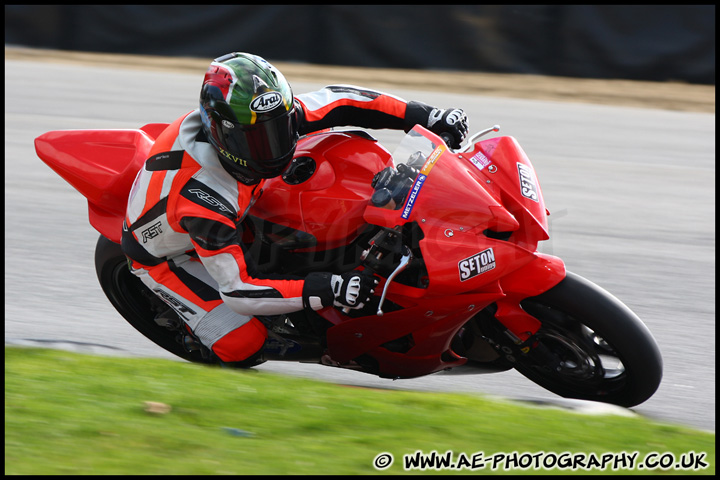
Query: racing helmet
[248, 115]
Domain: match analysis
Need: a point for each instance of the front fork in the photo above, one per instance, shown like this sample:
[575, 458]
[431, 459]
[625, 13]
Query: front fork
[538, 276]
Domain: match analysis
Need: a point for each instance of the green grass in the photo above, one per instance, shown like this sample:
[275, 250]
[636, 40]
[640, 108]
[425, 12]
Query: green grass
[68, 413]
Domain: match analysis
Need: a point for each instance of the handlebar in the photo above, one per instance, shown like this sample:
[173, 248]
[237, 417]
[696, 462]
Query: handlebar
[470, 142]
[447, 138]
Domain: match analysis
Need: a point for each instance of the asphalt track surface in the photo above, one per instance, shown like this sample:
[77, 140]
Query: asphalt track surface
[631, 193]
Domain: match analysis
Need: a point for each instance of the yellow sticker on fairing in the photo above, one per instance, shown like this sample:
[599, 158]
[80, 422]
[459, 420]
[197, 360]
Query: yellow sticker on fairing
[430, 162]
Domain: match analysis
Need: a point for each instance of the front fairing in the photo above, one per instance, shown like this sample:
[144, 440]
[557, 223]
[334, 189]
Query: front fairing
[481, 213]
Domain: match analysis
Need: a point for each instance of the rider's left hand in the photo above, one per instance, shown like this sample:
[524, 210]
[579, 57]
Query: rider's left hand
[347, 290]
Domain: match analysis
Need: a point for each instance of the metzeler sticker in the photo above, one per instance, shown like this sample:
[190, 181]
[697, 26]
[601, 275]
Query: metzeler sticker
[476, 265]
[528, 187]
[413, 195]
[266, 102]
[424, 171]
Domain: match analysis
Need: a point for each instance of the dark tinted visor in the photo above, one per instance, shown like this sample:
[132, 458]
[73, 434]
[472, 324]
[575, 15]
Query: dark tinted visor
[265, 146]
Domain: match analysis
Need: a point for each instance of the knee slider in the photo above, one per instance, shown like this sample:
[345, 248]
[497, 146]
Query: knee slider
[241, 343]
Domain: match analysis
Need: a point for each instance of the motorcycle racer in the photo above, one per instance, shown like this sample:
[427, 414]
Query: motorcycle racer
[182, 226]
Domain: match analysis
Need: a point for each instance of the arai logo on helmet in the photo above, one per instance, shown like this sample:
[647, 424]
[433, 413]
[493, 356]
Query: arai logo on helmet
[266, 102]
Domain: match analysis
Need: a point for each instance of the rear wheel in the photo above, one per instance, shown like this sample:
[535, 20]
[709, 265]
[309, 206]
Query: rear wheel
[140, 307]
[590, 346]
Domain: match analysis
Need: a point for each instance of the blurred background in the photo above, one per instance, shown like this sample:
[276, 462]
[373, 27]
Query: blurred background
[654, 42]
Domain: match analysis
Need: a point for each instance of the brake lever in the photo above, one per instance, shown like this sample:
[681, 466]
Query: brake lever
[404, 262]
[471, 141]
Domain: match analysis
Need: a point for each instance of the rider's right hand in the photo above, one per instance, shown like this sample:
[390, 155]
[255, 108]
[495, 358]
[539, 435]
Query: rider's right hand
[452, 121]
[348, 290]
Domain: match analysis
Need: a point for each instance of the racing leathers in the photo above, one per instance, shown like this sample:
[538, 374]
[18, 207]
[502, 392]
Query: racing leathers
[181, 227]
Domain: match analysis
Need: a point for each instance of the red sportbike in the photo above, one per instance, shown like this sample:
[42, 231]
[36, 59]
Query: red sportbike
[452, 234]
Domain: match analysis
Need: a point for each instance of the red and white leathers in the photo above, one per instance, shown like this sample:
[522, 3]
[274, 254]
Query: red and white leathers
[184, 209]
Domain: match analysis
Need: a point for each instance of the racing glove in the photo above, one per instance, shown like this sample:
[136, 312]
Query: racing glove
[350, 289]
[452, 121]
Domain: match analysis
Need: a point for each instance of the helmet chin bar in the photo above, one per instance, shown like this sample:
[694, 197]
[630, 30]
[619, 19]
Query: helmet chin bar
[243, 171]
[244, 180]
[236, 174]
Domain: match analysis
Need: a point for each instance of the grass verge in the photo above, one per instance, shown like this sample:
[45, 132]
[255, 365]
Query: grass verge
[67, 413]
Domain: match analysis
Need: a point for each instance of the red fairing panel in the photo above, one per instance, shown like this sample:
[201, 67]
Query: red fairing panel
[330, 204]
[101, 165]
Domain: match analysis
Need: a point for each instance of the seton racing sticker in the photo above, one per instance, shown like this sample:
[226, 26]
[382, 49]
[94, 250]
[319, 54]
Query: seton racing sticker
[528, 185]
[477, 264]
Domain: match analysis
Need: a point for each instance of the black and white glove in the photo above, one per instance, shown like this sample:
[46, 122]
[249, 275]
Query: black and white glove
[452, 121]
[347, 290]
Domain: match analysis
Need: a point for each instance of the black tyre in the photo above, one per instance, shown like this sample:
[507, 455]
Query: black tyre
[592, 346]
[136, 303]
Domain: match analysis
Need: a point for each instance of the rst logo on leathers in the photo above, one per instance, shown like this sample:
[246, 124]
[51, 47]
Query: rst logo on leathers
[476, 265]
[151, 232]
[528, 186]
[210, 200]
[266, 102]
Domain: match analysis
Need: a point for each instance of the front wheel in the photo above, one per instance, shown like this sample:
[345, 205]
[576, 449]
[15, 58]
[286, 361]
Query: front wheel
[590, 346]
